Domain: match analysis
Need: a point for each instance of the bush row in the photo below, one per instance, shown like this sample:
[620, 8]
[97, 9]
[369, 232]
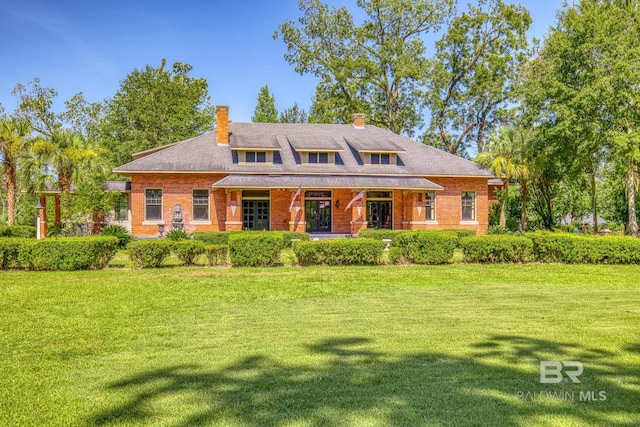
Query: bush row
[71, 253]
[339, 252]
[152, 253]
[222, 237]
[393, 235]
[427, 247]
[24, 231]
[497, 248]
[552, 247]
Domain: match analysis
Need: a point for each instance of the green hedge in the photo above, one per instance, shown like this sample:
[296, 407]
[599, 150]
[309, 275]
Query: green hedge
[287, 237]
[24, 231]
[149, 253]
[395, 255]
[9, 252]
[255, 249]
[188, 251]
[427, 247]
[497, 248]
[214, 237]
[573, 248]
[70, 253]
[339, 252]
[380, 234]
[216, 254]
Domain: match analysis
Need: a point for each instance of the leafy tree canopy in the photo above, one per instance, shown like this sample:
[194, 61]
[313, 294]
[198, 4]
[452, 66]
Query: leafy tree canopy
[376, 68]
[154, 107]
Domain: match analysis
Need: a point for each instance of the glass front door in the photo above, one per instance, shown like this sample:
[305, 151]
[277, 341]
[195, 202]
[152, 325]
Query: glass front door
[318, 216]
[255, 214]
[379, 214]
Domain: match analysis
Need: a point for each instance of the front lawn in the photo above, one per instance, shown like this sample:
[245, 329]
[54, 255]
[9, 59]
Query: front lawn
[421, 345]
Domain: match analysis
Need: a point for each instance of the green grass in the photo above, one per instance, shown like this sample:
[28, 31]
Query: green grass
[445, 345]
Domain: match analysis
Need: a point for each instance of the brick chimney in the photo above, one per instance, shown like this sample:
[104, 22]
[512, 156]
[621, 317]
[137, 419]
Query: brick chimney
[222, 124]
[358, 121]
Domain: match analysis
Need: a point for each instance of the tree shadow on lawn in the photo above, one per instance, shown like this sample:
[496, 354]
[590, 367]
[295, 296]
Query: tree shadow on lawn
[358, 384]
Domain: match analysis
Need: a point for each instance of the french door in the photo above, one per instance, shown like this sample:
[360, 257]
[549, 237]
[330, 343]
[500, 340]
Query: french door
[318, 216]
[379, 214]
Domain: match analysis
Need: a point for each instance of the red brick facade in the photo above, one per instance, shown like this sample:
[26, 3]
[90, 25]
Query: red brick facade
[225, 206]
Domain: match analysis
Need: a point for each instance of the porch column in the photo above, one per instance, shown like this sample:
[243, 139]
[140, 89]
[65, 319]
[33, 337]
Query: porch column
[358, 214]
[233, 219]
[297, 217]
[44, 227]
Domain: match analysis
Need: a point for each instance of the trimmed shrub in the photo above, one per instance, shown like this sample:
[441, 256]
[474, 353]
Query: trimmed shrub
[339, 252]
[149, 253]
[572, 248]
[188, 251]
[9, 250]
[214, 237]
[497, 248]
[22, 231]
[428, 247]
[70, 253]
[255, 248]
[176, 235]
[379, 234]
[216, 254]
[395, 255]
[118, 231]
[287, 236]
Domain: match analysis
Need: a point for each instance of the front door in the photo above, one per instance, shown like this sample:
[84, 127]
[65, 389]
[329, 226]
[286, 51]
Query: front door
[255, 214]
[318, 216]
[379, 214]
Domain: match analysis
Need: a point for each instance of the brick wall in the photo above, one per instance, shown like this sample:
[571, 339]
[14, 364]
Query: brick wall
[176, 189]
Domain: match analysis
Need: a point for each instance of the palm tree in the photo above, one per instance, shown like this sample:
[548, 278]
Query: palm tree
[65, 158]
[505, 156]
[14, 136]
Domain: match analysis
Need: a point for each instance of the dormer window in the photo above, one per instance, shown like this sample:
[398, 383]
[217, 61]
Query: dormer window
[256, 156]
[319, 158]
[380, 158]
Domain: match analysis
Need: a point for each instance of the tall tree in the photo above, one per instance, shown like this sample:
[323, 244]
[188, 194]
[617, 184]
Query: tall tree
[14, 135]
[265, 111]
[374, 68]
[294, 114]
[582, 89]
[154, 107]
[471, 78]
[505, 156]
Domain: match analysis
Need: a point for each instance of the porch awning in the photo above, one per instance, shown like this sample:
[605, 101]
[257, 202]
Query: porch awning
[326, 182]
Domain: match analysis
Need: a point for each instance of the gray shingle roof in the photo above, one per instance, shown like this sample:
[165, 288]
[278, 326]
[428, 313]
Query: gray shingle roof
[203, 154]
[326, 181]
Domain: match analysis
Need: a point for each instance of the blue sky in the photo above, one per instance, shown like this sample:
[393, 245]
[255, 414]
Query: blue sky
[90, 46]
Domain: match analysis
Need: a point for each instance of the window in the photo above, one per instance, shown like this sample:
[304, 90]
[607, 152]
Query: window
[153, 205]
[380, 159]
[256, 157]
[255, 210]
[200, 205]
[468, 205]
[318, 157]
[121, 207]
[430, 206]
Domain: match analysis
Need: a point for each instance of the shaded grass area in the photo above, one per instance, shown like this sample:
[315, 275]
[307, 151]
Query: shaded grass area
[445, 345]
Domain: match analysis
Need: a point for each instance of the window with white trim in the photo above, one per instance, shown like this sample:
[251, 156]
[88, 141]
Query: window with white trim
[200, 205]
[430, 205]
[380, 158]
[256, 156]
[468, 205]
[153, 204]
[318, 157]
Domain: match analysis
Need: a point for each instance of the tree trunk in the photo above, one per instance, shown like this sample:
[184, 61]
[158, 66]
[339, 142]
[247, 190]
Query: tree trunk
[503, 207]
[10, 174]
[594, 204]
[523, 205]
[630, 183]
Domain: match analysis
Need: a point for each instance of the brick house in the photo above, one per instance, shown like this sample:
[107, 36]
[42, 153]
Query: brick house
[302, 177]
